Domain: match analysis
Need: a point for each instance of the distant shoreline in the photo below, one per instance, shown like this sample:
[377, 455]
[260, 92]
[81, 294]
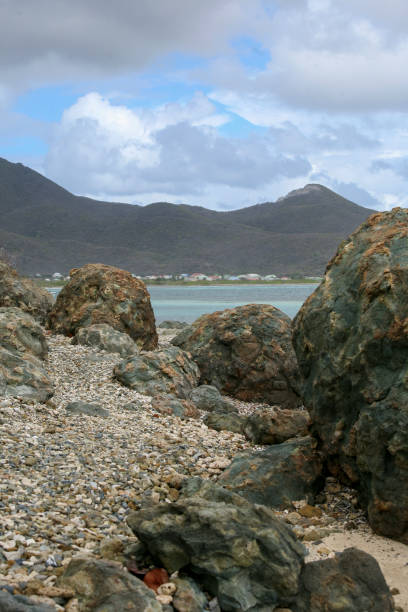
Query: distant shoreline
[180, 283]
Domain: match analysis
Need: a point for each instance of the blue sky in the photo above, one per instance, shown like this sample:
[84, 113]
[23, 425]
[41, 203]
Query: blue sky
[219, 104]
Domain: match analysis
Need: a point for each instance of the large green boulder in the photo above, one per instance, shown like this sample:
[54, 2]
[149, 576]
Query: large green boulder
[98, 294]
[236, 551]
[246, 352]
[351, 340]
[278, 475]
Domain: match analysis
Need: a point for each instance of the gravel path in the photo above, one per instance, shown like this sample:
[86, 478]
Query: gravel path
[68, 482]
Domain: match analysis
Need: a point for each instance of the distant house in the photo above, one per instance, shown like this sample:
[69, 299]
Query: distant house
[57, 276]
[250, 277]
[197, 276]
[270, 277]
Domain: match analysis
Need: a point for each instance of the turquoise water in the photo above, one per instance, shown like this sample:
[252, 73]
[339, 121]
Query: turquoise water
[187, 303]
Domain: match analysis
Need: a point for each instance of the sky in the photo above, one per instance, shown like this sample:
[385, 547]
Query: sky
[222, 103]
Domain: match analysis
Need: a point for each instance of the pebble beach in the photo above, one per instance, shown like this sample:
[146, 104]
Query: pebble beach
[69, 481]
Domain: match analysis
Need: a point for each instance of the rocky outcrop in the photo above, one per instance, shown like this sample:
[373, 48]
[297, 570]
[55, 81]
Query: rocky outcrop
[226, 421]
[170, 371]
[246, 352]
[351, 582]
[104, 586]
[236, 551]
[276, 476]
[23, 349]
[168, 404]
[23, 293]
[86, 409]
[208, 398]
[173, 325]
[273, 426]
[104, 337]
[98, 294]
[351, 339]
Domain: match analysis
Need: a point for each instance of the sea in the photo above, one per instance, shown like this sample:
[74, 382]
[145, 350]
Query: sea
[180, 303]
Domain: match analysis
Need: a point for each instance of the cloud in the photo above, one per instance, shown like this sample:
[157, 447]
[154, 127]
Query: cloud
[104, 148]
[48, 41]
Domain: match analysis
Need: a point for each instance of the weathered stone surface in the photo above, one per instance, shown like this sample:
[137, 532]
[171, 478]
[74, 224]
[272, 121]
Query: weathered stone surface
[97, 294]
[351, 338]
[19, 603]
[23, 293]
[208, 398]
[23, 348]
[188, 596]
[103, 586]
[234, 550]
[170, 371]
[86, 409]
[351, 582]
[168, 404]
[103, 336]
[276, 476]
[273, 426]
[173, 325]
[246, 352]
[229, 421]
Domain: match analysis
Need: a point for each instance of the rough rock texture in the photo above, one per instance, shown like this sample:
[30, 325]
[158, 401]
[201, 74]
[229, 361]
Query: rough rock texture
[96, 294]
[173, 325]
[19, 603]
[246, 352]
[170, 371]
[276, 476]
[351, 339]
[226, 421]
[208, 398]
[273, 426]
[103, 586]
[188, 596]
[22, 350]
[351, 582]
[103, 336]
[168, 404]
[23, 293]
[236, 551]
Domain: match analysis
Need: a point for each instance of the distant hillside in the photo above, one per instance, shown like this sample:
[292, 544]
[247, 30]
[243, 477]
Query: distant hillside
[47, 229]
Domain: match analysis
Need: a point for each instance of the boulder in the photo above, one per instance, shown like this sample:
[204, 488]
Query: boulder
[226, 421]
[208, 398]
[350, 582]
[246, 352]
[103, 336]
[188, 596]
[273, 426]
[172, 325]
[86, 409]
[168, 404]
[104, 586]
[351, 339]
[98, 294]
[277, 476]
[23, 293]
[234, 550]
[23, 349]
[170, 371]
[20, 603]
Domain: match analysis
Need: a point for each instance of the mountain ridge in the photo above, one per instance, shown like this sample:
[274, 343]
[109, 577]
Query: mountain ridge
[43, 225]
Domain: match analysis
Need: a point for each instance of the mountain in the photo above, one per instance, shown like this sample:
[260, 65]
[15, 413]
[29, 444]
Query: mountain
[46, 229]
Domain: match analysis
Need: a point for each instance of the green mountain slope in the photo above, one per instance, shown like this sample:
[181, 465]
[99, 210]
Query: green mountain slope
[48, 229]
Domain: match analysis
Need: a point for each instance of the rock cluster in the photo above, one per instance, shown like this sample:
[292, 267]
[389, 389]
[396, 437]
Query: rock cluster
[246, 352]
[98, 294]
[23, 293]
[23, 349]
[351, 339]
